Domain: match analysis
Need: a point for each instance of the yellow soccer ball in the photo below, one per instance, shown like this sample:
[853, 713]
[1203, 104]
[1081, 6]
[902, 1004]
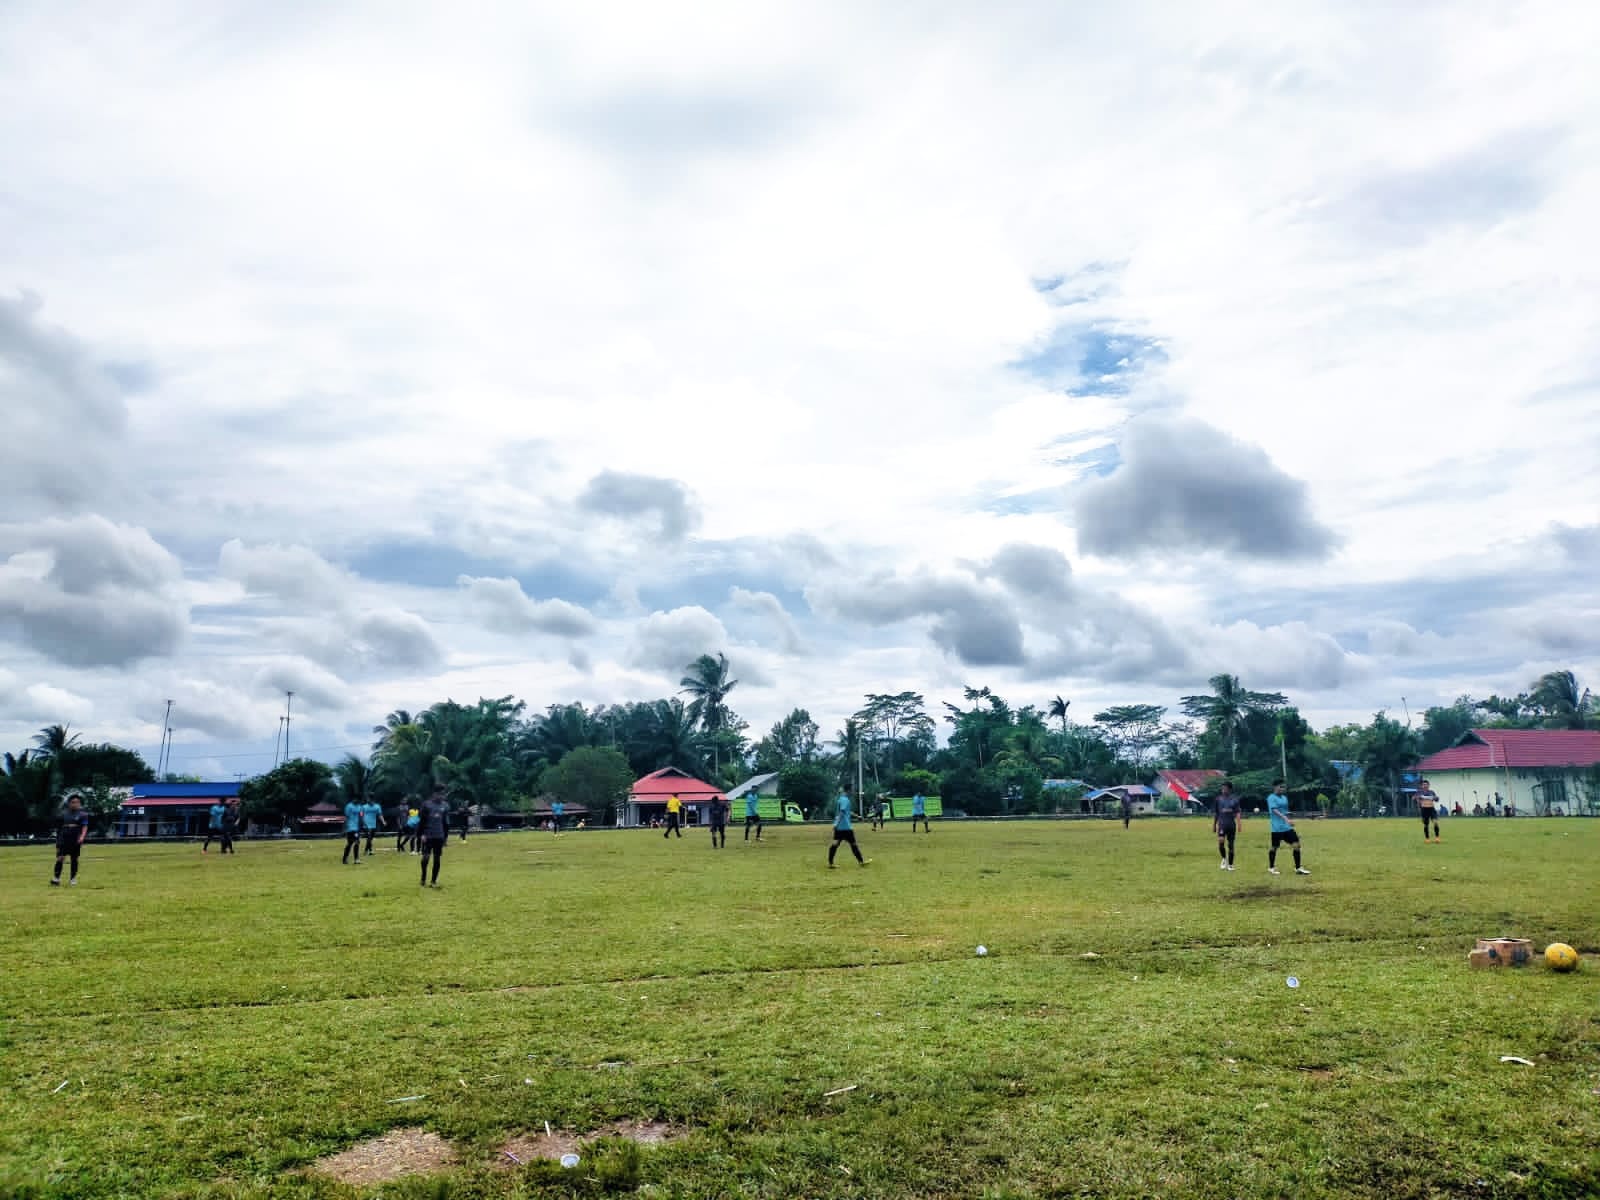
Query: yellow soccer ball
[1559, 956]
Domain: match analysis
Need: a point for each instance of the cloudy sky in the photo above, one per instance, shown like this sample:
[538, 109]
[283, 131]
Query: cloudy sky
[389, 352]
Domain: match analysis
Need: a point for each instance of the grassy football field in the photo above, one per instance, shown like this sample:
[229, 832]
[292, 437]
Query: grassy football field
[181, 1025]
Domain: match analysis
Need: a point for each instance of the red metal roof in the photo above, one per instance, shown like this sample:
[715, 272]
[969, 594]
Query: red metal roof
[1481, 749]
[1184, 783]
[669, 781]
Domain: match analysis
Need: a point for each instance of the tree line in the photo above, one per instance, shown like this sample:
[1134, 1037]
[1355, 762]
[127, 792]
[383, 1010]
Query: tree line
[496, 756]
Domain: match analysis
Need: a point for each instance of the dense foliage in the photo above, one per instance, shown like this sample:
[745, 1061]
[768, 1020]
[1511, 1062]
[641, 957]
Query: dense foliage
[996, 757]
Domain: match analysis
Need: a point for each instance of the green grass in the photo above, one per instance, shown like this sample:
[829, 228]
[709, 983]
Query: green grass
[224, 1022]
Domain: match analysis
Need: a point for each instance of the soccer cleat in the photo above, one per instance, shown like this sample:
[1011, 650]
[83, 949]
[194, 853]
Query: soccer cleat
[832, 866]
[72, 883]
[1301, 871]
[1274, 871]
[865, 861]
[1224, 864]
[55, 883]
[1230, 866]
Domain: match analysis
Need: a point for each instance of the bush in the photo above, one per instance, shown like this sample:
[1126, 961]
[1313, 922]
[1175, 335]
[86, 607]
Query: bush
[970, 790]
[592, 776]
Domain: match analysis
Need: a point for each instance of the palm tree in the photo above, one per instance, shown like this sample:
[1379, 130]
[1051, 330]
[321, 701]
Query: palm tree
[1228, 708]
[708, 683]
[392, 722]
[355, 778]
[1556, 692]
[1058, 711]
[673, 738]
[54, 741]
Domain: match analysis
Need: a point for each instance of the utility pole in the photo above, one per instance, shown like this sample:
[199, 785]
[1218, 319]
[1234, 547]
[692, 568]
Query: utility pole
[288, 710]
[166, 742]
[277, 742]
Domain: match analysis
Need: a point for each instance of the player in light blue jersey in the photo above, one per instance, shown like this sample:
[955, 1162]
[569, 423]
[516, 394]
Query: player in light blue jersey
[1282, 829]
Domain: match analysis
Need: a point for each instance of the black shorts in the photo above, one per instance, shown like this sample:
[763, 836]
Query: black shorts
[1227, 829]
[1280, 836]
[716, 825]
[845, 835]
[69, 848]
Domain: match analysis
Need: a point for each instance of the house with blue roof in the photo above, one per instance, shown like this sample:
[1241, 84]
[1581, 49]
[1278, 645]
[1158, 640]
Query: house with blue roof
[171, 809]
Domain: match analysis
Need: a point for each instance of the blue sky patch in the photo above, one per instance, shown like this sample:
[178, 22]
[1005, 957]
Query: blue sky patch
[1090, 360]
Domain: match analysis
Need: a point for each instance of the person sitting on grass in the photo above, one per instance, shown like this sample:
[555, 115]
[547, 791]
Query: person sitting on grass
[842, 832]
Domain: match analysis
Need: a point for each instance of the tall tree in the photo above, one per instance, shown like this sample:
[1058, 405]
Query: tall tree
[672, 737]
[1058, 712]
[355, 778]
[791, 740]
[1561, 703]
[708, 685]
[1228, 707]
[1133, 729]
[395, 720]
[887, 718]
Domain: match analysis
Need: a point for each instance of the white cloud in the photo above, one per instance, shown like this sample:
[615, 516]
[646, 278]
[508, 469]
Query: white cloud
[88, 593]
[806, 317]
[502, 605]
[668, 642]
[296, 574]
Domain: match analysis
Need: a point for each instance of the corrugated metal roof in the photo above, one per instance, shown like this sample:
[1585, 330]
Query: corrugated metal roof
[146, 791]
[1482, 749]
[755, 781]
[669, 781]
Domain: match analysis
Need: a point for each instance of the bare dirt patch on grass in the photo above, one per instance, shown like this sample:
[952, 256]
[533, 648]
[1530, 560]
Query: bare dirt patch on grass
[529, 1146]
[394, 1155]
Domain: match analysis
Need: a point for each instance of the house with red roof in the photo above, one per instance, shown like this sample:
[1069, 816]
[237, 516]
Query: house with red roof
[647, 800]
[1183, 785]
[1533, 770]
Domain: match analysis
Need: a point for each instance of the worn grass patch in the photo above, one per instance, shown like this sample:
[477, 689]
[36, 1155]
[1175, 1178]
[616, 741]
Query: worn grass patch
[206, 1028]
[394, 1155]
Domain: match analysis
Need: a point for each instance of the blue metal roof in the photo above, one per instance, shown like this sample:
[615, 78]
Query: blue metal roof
[175, 791]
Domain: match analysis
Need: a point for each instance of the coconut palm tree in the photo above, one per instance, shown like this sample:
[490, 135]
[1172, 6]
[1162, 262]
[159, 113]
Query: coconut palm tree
[673, 737]
[392, 722]
[1564, 704]
[708, 684]
[1228, 707]
[355, 778]
[53, 741]
[1058, 712]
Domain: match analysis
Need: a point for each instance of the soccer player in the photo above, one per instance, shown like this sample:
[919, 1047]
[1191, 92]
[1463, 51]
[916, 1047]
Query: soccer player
[1225, 824]
[919, 812]
[371, 818]
[877, 813]
[409, 831]
[674, 817]
[463, 819]
[1428, 806]
[719, 821]
[352, 831]
[1282, 829]
[214, 816]
[752, 814]
[230, 824]
[433, 815]
[1127, 810]
[71, 835]
[558, 809]
[842, 832]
